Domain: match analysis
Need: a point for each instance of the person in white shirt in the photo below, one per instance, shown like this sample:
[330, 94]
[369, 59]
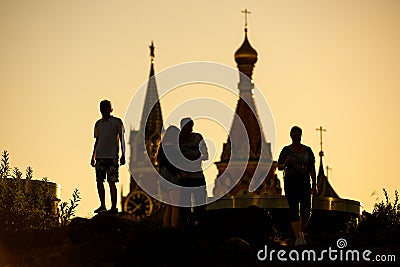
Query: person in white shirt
[108, 132]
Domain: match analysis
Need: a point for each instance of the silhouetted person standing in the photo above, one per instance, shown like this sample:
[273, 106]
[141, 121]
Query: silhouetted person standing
[108, 132]
[194, 149]
[167, 157]
[298, 163]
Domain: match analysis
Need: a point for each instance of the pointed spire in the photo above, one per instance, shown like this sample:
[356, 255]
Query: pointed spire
[146, 139]
[152, 56]
[321, 152]
[325, 189]
[321, 171]
[153, 123]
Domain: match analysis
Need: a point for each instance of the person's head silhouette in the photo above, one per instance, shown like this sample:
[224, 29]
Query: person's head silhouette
[186, 126]
[106, 108]
[295, 134]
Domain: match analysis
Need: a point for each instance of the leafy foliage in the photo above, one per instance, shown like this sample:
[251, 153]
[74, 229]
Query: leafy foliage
[388, 213]
[27, 204]
[67, 211]
[383, 222]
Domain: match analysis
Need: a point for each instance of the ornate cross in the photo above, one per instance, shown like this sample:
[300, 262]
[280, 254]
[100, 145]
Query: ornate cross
[327, 171]
[321, 130]
[245, 16]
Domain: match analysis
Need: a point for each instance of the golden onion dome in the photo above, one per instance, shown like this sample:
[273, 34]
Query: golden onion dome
[246, 54]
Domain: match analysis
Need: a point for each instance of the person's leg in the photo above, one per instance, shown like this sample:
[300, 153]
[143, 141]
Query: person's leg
[303, 224]
[200, 197]
[113, 178]
[102, 193]
[100, 178]
[296, 228]
[294, 216]
[113, 194]
[291, 192]
[174, 195]
[186, 196]
[305, 208]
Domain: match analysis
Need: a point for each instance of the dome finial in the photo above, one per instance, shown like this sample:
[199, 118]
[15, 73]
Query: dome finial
[152, 48]
[246, 54]
[152, 55]
[320, 129]
[245, 11]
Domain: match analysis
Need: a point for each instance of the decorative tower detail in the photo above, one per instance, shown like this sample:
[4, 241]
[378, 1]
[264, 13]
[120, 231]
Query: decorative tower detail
[243, 162]
[144, 143]
[324, 187]
[234, 152]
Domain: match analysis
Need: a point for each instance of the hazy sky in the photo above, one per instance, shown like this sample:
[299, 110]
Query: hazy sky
[325, 63]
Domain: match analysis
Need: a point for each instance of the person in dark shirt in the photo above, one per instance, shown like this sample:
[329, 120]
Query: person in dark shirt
[167, 162]
[194, 149]
[298, 163]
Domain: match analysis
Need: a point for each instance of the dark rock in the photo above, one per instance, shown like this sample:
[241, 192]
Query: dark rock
[79, 229]
[236, 252]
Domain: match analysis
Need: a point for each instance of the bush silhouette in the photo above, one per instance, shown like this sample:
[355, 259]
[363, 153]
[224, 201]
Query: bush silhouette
[382, 225]
[27, 204]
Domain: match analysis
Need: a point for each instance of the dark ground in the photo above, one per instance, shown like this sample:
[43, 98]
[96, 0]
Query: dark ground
[107, 240]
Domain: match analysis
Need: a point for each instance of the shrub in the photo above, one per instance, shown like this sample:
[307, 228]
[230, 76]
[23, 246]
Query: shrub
[383, 223]
[387, 213]
[27, 204]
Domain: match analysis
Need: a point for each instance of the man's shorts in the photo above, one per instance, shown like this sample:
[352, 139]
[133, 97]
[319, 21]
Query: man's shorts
[107, 167]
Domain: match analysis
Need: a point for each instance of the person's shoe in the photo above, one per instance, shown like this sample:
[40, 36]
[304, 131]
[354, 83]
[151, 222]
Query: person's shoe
[113, 211]
[299, 242]
[100, 209]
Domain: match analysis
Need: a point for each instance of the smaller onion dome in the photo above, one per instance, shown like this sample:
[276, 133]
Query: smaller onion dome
[246, 54]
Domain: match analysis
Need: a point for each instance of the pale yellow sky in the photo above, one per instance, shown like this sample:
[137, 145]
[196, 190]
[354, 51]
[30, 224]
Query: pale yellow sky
[329, 63]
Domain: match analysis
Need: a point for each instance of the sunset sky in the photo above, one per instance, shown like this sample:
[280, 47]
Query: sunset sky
[325, 63]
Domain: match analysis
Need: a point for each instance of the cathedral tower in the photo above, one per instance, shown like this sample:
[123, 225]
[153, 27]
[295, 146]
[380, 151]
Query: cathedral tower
[259, 158]
[144, 144]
